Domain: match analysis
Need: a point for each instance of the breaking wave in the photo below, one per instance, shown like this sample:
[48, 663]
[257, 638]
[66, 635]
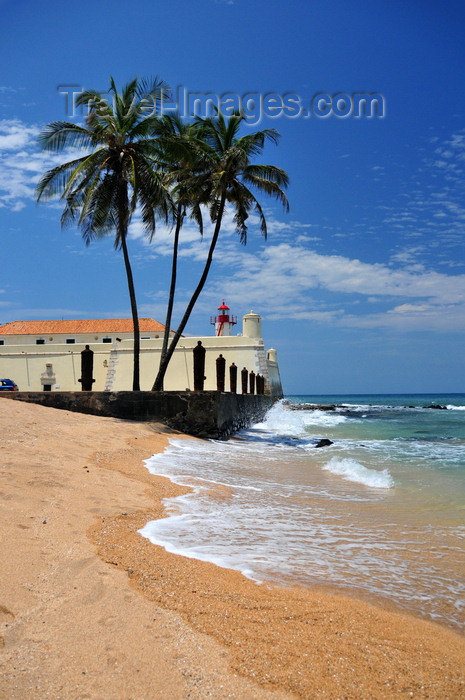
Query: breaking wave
[351, 470]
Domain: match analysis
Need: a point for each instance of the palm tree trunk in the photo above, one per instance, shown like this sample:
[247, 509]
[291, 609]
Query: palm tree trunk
[158, 384]
[135, 316]
[122, 232]
[169, 310]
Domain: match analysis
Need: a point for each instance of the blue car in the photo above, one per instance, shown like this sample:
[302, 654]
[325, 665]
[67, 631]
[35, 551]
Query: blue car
[8, 385]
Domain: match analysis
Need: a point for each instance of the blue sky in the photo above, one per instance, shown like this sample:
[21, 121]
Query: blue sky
[362, 285]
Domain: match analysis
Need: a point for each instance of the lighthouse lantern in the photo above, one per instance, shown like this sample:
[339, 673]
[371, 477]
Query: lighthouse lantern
[223, 322]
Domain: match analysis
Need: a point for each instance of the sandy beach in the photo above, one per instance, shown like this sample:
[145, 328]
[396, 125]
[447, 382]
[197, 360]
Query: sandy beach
[91, 609]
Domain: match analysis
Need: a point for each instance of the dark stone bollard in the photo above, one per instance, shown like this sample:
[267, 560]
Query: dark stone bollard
[199, 366]
[252, 382]
[244, 379]
[87, 368]
[220, 372]
[233, 378]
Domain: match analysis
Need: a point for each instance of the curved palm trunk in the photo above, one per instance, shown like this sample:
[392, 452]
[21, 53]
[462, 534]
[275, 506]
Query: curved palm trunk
[174, 266]
[123, 220]
[135, 317]
[158, 385]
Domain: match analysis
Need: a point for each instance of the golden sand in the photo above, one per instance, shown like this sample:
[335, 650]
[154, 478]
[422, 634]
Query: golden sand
[90, 609]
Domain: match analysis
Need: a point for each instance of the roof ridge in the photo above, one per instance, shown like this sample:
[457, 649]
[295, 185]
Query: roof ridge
[79, 325]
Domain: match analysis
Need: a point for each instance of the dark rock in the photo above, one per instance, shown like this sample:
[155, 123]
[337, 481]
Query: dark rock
[437, 406]
[324, 442]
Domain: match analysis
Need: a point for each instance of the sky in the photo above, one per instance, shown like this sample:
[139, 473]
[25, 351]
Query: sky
[361, 286]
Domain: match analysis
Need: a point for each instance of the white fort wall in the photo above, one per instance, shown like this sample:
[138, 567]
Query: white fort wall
[28, 364]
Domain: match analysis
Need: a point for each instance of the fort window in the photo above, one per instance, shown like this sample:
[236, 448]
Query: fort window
[70, 341]
[106, 340]
[2, 342]
[40, 341]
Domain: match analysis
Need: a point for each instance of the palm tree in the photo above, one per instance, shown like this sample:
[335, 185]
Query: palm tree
[225, 179]
[103, 188]
[180, 157]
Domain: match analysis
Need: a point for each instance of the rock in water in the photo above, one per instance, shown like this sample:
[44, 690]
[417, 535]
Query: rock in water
[324, 442]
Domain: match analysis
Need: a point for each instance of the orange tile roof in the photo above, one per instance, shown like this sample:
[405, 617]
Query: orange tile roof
[73, 327]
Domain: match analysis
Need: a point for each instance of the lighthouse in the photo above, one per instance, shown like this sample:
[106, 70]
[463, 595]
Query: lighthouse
[223, 322]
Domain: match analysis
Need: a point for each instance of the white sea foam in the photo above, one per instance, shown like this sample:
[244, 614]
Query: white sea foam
[283, 421]
[451, 407]
[351, 470]
[323, 418]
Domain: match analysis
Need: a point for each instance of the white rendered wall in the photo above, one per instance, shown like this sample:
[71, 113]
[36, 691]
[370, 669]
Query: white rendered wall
[25, 363]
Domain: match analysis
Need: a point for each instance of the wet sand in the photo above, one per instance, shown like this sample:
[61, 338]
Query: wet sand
[90, 609]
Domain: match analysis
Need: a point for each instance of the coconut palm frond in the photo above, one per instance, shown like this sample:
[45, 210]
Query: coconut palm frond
[59, 135]
[103, 189]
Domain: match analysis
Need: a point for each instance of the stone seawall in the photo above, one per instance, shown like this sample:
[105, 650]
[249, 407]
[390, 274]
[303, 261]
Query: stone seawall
[205, 414]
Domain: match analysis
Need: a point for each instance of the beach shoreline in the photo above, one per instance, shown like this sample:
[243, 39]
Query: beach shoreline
[90, 608]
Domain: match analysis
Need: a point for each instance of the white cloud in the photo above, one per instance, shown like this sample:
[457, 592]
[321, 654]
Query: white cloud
[192, 245]
[293, 282]
[15, 134]
[22, 163]
[430, 207]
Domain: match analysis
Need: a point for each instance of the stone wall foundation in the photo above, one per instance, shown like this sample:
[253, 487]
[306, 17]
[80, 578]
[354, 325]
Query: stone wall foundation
[205, 414]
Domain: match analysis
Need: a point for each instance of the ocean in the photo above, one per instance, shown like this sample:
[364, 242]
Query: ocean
[379, 513]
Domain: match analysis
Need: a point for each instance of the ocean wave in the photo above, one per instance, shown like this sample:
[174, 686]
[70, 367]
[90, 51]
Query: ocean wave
[322, 418]
[351, 470]
[282, 421]
[452, 407]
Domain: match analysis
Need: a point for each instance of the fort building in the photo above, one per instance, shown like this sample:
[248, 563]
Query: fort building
[46, 355]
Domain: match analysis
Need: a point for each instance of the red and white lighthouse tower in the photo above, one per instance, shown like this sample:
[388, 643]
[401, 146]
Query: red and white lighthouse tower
[224, 322]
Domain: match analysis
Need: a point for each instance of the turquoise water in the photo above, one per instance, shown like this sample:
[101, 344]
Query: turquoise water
[379, 512]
